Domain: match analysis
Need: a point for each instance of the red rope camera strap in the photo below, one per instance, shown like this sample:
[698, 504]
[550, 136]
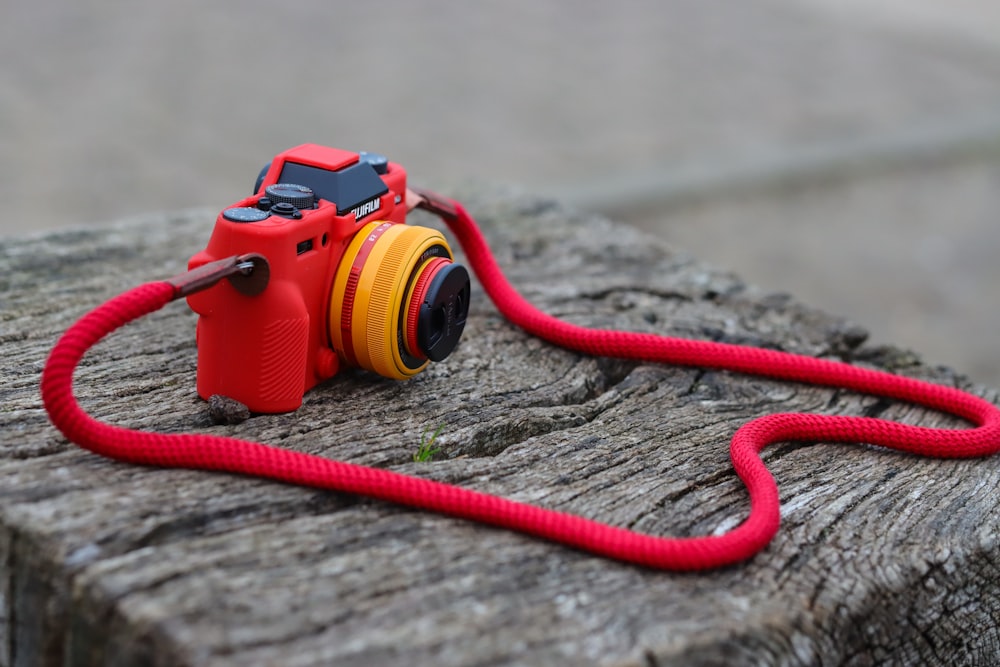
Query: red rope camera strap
[210, 452]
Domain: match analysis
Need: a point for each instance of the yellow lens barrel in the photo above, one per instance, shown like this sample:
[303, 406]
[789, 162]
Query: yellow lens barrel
[371, 293]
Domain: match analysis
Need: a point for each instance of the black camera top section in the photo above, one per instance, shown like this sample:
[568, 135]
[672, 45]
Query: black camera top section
[350, 188]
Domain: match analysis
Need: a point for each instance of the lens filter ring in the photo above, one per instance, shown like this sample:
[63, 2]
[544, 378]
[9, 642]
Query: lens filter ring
[416, 300]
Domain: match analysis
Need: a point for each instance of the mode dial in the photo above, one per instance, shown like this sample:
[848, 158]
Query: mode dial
[379, 163]
[298, 196]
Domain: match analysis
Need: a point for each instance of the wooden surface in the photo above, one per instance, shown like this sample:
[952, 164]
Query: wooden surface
[881, 558]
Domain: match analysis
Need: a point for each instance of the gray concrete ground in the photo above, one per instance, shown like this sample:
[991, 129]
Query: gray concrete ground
[847, 152]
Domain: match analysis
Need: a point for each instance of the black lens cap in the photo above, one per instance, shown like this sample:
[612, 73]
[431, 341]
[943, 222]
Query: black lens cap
[444, 311]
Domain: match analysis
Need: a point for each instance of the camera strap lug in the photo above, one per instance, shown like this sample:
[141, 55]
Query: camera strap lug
[440, 206]
[249, 274]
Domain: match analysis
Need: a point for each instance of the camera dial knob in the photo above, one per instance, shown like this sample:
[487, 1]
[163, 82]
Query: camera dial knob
[244, 214]
[298, 196]
[379, 163]
[286, 210]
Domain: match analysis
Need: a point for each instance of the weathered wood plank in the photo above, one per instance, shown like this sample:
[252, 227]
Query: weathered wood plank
[882, 557]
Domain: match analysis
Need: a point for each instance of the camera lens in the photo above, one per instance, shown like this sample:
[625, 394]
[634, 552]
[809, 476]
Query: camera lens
[398, 300]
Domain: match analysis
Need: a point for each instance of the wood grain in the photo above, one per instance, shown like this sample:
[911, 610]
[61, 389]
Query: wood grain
[882, 558]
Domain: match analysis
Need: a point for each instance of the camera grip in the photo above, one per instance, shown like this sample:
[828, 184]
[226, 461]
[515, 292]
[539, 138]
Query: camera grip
[254, 349]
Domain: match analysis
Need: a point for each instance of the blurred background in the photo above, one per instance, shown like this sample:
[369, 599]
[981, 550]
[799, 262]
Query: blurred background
[845, 151]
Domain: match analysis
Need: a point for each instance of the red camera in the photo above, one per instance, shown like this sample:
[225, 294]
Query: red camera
[350, 283]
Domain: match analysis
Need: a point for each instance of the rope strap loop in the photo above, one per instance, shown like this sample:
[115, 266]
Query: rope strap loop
[208, 452]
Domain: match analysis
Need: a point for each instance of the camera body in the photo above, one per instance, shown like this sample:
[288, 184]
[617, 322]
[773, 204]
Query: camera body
[350, 283]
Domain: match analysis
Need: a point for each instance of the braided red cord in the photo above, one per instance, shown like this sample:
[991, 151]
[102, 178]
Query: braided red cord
[229, 454]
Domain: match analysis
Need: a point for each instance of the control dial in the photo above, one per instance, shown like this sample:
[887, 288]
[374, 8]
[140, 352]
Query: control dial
[298, 196]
